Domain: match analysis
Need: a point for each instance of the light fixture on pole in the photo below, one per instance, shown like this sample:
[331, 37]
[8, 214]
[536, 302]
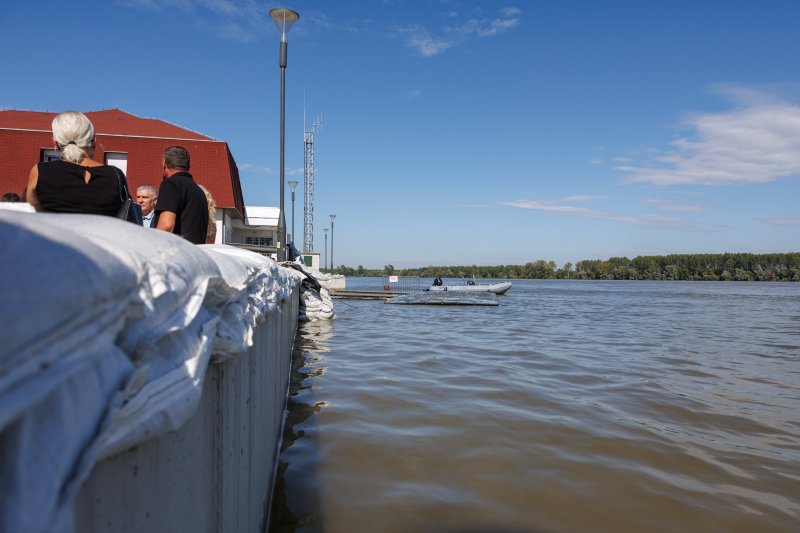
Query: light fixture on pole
[284, 19]
[332, 217]
[292, 185]
[325, 263]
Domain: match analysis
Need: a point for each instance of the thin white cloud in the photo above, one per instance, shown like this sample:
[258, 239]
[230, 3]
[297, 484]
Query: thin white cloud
[250, 167]
[423, 42]
[782, 221]
[428, 44]
[672, 204]
[651, 221]
[299, 171]
[749, 95]
[484, 27]
[413, 94]
[242, 20]
[758, 142]
[145, 4]
[481, 28]
[583, 198]
[317, 21]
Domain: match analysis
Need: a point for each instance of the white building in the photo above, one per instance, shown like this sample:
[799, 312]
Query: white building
[258, 231]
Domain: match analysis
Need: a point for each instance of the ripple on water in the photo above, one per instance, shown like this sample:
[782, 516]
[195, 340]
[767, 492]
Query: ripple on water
[572, 406]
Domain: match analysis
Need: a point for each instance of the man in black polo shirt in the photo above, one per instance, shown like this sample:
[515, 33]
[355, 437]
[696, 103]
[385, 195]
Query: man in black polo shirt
[182, 208]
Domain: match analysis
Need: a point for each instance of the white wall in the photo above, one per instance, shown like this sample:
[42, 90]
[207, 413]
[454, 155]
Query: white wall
[216, 472]
[314, 259]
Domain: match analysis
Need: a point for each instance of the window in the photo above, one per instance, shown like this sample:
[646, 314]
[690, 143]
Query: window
[49, 154]
[118, 159]
[258, 241]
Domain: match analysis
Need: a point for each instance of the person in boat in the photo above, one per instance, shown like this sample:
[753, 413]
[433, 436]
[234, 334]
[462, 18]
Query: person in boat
[437, 282]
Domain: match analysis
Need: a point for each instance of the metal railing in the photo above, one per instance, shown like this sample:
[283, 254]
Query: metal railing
[402, 284]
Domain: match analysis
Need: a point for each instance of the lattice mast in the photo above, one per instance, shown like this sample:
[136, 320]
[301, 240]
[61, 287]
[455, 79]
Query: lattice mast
[308, 183]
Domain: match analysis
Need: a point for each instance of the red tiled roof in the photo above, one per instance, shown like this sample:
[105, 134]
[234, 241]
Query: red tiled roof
[106, 122]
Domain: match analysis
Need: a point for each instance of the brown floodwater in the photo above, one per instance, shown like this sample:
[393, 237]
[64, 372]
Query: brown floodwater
[571, 406]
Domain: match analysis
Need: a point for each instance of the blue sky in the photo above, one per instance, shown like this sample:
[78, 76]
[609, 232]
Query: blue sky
[462, 132]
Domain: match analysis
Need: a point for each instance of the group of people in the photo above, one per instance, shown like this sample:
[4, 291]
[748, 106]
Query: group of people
[77, 183]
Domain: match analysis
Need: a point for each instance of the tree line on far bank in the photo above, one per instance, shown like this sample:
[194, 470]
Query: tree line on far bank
[687, 267]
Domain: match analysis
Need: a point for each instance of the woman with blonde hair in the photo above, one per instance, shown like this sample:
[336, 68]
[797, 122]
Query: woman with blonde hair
[76, 183]
[211, 230]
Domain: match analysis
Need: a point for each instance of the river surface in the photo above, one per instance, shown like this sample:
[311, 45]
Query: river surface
[571, 406]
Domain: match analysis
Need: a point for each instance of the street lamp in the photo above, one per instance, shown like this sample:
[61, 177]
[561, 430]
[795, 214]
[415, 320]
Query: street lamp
[284, 19]
[292, 185]
[325, 264]
[332, 217]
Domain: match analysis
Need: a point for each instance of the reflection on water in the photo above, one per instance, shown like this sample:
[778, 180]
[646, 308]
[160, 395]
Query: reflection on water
[308, 365]
[572, 406]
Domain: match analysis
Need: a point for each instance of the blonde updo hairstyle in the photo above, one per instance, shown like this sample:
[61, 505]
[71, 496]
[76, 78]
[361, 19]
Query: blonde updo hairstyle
[73, 134]
[212, 211]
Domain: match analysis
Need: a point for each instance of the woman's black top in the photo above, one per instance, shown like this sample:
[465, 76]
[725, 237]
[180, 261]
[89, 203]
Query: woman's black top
[61, 188]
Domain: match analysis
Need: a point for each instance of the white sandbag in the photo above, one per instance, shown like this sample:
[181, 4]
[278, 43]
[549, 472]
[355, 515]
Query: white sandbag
[63, 297]
[65, 301]
[108, 329]
[259, 291]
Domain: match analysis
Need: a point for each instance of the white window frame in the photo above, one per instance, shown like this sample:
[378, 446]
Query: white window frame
[121, 161]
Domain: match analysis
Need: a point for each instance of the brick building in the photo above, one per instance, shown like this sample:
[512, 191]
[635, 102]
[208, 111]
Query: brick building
[135, 145]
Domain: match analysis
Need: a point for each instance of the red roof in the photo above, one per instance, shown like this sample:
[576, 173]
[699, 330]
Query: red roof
[23, 134]
[108, 122]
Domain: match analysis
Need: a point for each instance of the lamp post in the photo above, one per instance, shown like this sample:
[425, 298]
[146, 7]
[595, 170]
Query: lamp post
[284, 19]
[292, 185]
[325, 263]
[332, 217]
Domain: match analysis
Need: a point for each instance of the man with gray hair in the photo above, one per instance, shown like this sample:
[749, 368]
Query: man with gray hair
[146, 196]
[182, 208]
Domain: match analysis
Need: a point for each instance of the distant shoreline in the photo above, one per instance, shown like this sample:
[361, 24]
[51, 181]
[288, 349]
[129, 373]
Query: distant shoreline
[675, 267]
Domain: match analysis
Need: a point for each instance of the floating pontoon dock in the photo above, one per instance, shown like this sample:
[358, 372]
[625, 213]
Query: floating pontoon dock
[445, 298]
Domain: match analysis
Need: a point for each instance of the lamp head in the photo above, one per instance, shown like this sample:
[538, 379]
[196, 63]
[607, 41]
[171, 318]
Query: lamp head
[293, 184]
[284, 18]
[332, 217]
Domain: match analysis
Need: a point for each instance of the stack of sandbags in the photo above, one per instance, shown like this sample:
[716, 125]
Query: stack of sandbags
[315, 296]
[107, 329]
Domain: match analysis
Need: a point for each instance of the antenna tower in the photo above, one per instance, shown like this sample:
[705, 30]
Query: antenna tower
[308, 185]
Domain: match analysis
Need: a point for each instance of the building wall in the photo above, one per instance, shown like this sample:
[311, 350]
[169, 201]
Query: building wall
[210, 161]
[19, 151]
[216, 473]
